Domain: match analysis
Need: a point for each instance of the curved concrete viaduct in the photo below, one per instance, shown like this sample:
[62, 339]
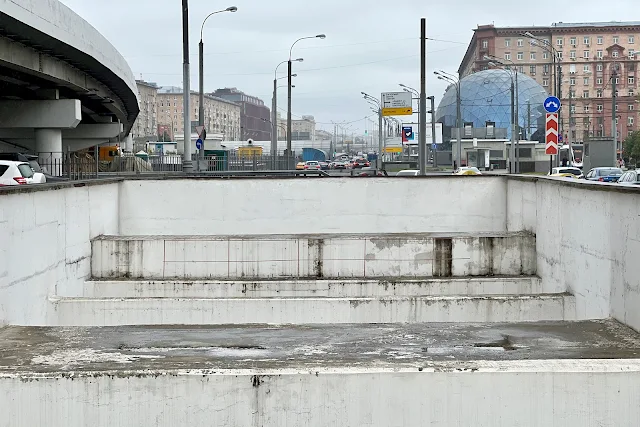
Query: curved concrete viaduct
[63, 86]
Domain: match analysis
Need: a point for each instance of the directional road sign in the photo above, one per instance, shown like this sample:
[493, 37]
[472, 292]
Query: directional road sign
[551, 147]
[397, 104]
[199, 144]
[552, 104]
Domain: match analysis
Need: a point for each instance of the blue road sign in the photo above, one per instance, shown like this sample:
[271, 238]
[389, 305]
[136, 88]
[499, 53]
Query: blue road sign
[407, 134]
[552, 104]
[199, 144]
[434, 147]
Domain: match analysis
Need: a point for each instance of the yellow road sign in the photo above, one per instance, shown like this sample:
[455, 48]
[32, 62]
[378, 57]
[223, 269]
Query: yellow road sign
[393, 149]
[404, 111]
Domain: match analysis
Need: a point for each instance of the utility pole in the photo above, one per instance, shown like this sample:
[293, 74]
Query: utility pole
[289, 132]
[423, 97]
[614, 115]
[201, 96]
[512, 149]
[187, 164]
[433, 131]
[274, 125]
[529, 120]
[380, 164]
[570, 134]
[459, 120]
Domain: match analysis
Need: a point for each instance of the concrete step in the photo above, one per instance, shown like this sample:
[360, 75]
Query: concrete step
[320, 256]
[467, 286]
[202, 311]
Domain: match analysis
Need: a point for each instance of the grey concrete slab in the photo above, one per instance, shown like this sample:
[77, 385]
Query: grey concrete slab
[125, 350]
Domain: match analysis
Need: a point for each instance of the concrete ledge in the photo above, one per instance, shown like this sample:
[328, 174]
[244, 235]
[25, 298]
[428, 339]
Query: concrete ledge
[467, 286]
[222, 311]
[313, 256]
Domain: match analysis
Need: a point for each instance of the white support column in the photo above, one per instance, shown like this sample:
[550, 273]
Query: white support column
[49, 148]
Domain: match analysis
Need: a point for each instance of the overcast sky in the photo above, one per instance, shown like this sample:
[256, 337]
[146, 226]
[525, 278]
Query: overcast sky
[370, 46]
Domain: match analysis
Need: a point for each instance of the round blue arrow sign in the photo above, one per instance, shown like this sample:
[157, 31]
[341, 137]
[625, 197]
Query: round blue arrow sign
[199, 144]
[552, 104]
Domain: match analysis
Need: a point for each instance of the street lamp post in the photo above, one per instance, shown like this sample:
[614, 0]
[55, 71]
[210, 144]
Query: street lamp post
[378, 106]
[319, 36]
[515, 110]
[274, 108]
[450, 78]
[201, 73]
[187, 165]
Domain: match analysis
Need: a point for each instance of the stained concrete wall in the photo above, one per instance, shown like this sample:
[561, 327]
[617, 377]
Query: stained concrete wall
[320, 256]
[549, 393]
[45, 245]
[313, 205]
[588, 242]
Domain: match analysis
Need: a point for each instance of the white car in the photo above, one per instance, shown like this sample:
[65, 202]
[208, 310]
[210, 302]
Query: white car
[576, 172]
[630, 178]
[18, 173]
[408, 172]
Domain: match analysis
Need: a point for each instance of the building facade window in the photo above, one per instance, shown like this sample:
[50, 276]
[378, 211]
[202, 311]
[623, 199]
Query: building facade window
[485, 44]
[545, 68]
[600, 54]
[586, 68]
[560, 42]
[520, 43]
[586, 109]
[615, 54]
[507, 42]
[630, 121]
[631, 107]
[545, 55]
[572, 81]
[545, 82]
[599, 81]
[507, 56]
[533, 56]
[632, 39]
[532, 70]
[572, 54]
[599, 93]
[585, 54]
[616, 39]
[631, 93]
[585, 81]
[631, 80]
[585, 93]
[599, 107]
[573, 41]
[587, 40]
[600, 40]
[572, 108]
[520, 56]
[599, 67]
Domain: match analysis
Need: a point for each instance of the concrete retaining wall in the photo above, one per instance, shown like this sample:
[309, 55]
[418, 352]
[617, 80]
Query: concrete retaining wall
[45, 246]
[313, 205]
[550, 393]
[319, 256]
[588, 242]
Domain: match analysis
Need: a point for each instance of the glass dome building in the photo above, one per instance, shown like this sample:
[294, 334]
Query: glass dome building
[486, 97]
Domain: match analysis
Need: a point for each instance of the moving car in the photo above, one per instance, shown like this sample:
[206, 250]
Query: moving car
[468, 171]
[604, 174]
[300, 165]
[408, 172]
[15, 173]
[324, 166]
[311, 165]
[630, 178]
[566, 169]
[338, 164]
[369, 172]
[360, 163]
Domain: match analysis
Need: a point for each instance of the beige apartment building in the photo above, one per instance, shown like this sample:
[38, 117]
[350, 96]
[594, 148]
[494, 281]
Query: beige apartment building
[303, 129]
[593, 56]
[222, 118]
[146, 126]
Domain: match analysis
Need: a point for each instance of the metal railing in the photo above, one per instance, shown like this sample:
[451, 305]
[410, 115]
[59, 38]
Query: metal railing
[76, 166]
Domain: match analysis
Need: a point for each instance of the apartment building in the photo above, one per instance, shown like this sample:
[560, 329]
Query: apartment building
[255, 117]
[593, 58]
[221, 117]
[145, 126]
[303, 129]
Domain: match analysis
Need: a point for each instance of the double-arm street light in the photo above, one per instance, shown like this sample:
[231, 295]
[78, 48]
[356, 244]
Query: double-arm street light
[514, 156]
[274, 108]
[186, 110]
[452, 79]
[319, 36]
[378, 108]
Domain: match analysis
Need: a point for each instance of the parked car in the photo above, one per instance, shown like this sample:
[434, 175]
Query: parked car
[408, 172]
[39, 176]
[468, 171]
[312, 165]
[563, 175]
[577, 172]
[604, 174]
[15, 173]
[324, 166]
[630, 178]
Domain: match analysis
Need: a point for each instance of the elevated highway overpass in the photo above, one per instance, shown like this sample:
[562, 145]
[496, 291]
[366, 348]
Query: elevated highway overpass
[63, 86]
